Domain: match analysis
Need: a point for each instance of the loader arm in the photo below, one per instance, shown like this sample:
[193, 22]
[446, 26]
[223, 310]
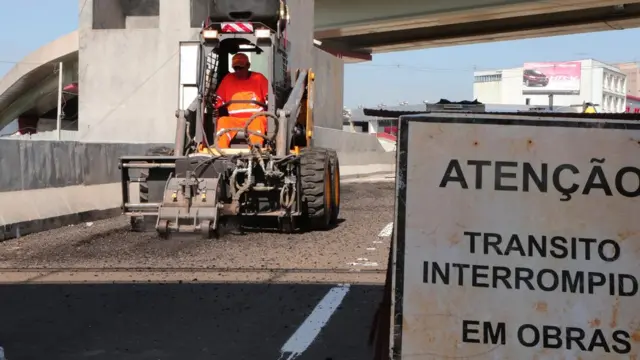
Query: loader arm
[298, 109]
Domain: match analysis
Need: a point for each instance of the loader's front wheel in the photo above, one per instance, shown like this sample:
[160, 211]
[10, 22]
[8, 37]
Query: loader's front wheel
[315, 173]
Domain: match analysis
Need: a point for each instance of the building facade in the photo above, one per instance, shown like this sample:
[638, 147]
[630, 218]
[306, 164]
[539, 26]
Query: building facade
[632, 71]
[564, 84]
[633, 104]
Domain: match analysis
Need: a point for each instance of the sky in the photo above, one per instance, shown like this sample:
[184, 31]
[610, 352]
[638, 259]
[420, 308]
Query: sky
[412, 76]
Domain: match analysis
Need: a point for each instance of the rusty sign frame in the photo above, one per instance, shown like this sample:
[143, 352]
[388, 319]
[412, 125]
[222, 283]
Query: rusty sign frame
[399, 237]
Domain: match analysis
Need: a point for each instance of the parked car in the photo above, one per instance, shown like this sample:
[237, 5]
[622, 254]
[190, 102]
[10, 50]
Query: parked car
[532, 77]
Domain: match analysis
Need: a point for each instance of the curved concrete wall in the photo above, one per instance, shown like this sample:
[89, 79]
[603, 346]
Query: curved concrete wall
[52, 52]
[30, 83]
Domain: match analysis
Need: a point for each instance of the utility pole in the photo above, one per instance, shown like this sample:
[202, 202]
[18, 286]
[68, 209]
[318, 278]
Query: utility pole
[59, 118]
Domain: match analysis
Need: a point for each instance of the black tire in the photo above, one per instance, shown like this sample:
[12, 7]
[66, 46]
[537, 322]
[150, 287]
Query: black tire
[335, 186]
[315, 174]
[143, 223]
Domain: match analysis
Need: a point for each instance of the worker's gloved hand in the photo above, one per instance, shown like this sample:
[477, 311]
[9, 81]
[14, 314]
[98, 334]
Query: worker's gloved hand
[297, 130]
[217, 101]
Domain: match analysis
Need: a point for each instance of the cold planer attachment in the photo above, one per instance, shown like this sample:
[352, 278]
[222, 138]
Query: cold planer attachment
[190, 204]
[195, 185]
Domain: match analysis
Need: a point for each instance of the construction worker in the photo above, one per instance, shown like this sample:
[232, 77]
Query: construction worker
[589, 108]
[242, 84]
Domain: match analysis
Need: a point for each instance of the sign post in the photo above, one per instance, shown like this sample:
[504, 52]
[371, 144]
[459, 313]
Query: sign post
[516, 238]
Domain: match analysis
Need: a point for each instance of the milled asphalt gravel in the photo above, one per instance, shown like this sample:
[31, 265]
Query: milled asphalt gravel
[98, 291]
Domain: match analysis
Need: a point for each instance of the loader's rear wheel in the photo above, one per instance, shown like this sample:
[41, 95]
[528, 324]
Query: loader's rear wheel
[315, 171]
[143, 223]
[335, 186]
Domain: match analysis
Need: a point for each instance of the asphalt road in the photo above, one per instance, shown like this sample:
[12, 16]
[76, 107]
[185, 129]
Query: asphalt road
[96, 291]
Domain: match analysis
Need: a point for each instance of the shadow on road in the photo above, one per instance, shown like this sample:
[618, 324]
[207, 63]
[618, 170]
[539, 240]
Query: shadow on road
[257, 225]
[186, 321]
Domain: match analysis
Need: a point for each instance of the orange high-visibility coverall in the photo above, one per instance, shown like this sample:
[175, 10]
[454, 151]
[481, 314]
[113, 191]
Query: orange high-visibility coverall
[256, 88]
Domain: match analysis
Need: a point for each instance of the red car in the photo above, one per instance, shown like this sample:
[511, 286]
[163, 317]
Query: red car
[532, 77]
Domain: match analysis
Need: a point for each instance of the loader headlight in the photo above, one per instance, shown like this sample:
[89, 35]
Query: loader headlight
[210, 34]
[263, 33]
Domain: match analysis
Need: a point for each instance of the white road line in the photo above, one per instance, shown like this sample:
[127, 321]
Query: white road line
[310, 328]
[386, 231]
[368, 263]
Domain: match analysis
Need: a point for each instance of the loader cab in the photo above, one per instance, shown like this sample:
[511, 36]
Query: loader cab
[267, 55]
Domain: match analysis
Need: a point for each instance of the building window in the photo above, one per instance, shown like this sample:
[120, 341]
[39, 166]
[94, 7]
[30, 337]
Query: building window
[611, 103]
[487, 78]
[620, 106]
[126, 14]
[610, 83]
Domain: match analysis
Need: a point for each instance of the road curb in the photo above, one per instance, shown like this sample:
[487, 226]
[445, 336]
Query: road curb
[186, 276]
[17, 230]
[370, 179]
[368, 175]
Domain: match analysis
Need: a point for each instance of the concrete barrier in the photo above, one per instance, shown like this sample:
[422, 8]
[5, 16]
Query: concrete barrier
[361, 155]
[346, 142]
[31, 165]
[49, 184]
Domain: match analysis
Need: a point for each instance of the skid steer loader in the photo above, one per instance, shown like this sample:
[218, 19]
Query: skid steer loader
[196, 185]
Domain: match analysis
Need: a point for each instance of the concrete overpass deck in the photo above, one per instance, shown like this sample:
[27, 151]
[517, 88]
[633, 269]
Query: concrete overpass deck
[30, 87]
[379, 26]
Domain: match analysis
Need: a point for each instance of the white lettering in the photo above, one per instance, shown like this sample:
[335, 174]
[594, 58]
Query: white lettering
[564, 78]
